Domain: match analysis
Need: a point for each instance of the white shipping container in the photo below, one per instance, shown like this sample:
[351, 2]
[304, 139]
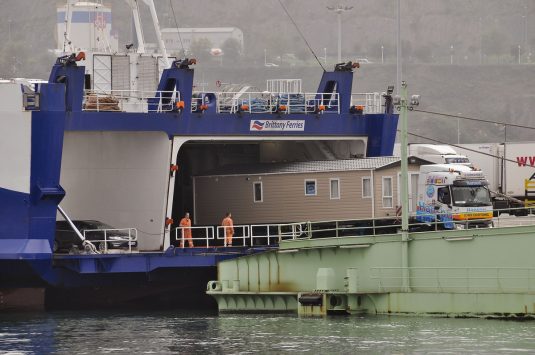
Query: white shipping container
[521, 167]
[489, 162]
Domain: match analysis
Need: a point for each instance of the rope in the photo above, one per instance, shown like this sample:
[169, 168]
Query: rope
[461, 147]
[177, 28]
[475, 119]
[301, 34]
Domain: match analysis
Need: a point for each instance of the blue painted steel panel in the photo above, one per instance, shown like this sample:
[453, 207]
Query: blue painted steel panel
[17, 249]
[27, 221]
[14, 214]
[47, 145]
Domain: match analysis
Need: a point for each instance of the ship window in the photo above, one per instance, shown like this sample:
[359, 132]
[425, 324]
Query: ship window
[310, 188]
[366, 187]
[335, 189]
[387, 192]
[257, 192]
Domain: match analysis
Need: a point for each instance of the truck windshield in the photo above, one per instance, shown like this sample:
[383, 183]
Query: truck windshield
[471, 196]
[457, 160]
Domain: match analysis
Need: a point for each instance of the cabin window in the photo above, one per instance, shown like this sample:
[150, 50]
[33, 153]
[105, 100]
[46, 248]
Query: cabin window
[335, 189]
[366, 187]
[310, 188]
[387, 192]
[257, 192]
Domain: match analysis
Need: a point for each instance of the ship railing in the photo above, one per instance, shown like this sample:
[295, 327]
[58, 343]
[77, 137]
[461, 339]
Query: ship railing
[270, 234]
[241, 232]
[369, 102]
[126, 237]
[130, 101]
[266, 102]
[204, 233]
[196, 103]
[453, 279]
[512, 217]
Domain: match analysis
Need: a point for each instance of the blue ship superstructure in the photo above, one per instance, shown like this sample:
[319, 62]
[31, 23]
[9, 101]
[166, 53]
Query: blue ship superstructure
[77, 149]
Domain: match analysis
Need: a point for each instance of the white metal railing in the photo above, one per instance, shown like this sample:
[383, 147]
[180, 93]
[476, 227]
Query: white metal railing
[292, 86]
[196, 103]
[104, 244]
[455, 279]
[276, 232]
[131, 101]
[272, 234]
[266, 102]
[370, 102]
[195, 231]
[240, 232]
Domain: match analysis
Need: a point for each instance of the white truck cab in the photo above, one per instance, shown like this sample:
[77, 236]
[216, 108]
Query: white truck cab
[456, 196]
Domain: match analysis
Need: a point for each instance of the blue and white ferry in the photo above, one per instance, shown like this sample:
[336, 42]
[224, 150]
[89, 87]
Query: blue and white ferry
[104, 143]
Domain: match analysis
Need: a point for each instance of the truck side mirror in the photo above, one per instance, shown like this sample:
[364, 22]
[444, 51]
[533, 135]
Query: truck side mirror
[437, 207]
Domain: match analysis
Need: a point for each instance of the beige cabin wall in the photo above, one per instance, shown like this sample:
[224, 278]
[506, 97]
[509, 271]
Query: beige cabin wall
[380, 210]
[284, 198]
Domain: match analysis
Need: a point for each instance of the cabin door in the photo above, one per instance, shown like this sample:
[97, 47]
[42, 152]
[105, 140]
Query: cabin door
[413, 191]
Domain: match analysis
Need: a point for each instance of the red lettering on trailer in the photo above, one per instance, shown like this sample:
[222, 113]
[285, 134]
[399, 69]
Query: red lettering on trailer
[523, 161]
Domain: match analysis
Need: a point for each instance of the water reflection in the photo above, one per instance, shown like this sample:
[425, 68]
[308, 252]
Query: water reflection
[190, 333]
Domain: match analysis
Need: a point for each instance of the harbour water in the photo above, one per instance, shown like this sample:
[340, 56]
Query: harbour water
[191, 333]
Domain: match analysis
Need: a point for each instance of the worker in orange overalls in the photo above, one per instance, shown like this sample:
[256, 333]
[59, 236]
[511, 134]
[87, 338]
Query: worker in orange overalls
[186, 232]
[228, 225]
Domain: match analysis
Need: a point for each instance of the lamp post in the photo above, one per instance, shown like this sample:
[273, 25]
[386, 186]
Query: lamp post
[451, 54]
[404, 105]
[398, 49]
[339, 10]
[480, 44]
[325, 56]
[382, 54]
[265, 57]
[519, 54]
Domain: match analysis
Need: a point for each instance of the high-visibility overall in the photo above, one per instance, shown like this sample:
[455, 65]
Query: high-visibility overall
[229, 230]
[186, 232]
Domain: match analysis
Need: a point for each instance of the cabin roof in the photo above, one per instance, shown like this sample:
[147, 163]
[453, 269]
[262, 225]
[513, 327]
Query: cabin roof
[310, 166]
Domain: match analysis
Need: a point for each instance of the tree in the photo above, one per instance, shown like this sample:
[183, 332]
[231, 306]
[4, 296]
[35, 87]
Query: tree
[493, 43]
[424, 54]
[232, 49]
[200, 48]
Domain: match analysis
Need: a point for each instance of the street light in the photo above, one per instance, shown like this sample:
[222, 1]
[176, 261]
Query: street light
[339, 10]
[382, 54]
[325, 56]
[265, 57]
[404, 105]
[451, 54]
[519, 54]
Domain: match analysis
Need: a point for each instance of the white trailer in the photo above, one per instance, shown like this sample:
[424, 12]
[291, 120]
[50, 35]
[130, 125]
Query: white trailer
[488, 160]
[438, 154]
[507, 172]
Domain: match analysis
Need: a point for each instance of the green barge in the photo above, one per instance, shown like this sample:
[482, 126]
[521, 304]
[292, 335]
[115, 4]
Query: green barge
[488, 272]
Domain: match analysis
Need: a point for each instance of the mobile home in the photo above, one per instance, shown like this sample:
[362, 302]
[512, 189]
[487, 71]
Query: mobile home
[303, 191]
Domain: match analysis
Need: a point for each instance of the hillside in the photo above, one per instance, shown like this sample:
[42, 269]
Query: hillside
[484, 81]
